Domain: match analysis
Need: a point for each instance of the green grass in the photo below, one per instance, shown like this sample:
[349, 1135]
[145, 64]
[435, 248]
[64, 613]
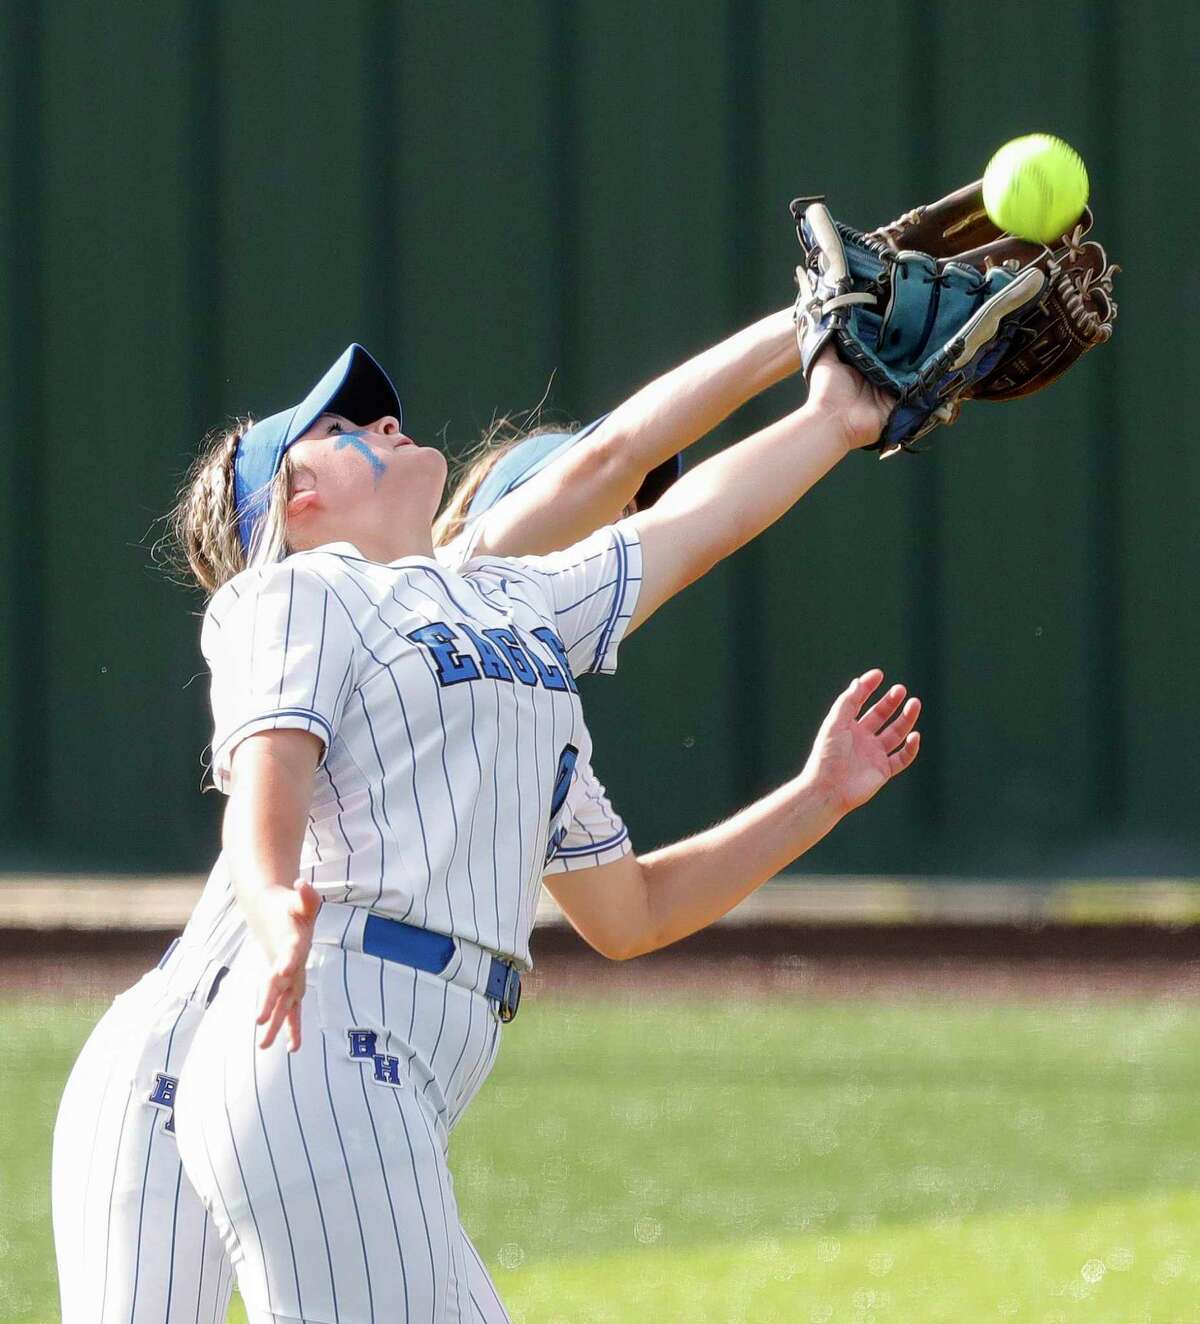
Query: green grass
[638, 1160]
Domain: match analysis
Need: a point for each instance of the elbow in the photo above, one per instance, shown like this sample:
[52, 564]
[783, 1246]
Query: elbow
[616, 944]
[610, 465]
[622, 951]
[626, 946]
[613, 947]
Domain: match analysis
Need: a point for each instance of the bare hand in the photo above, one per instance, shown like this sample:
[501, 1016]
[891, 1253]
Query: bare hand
[856, 752]
[862, 409]
[285, 926]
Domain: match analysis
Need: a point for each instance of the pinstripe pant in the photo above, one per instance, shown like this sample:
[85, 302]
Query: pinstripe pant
[325, 1170]
[134, 1244]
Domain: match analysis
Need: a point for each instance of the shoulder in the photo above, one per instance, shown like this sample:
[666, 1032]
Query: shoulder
[282, 587]
[230, 599]
[263, 581]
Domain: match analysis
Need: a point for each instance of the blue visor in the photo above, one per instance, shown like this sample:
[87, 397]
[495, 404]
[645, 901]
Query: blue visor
[355, 387]
[532, 455]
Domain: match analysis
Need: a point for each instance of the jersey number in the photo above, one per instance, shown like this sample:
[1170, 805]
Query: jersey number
[562, 784]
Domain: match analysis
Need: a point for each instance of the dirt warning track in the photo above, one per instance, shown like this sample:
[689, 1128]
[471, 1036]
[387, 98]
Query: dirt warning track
[816, 962]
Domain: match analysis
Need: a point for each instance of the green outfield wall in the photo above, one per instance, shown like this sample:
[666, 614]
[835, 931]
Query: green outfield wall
[204, 202]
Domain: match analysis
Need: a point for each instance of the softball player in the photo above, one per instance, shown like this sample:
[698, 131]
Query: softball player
[133, 1242]
[142, 1278]
[403, 739]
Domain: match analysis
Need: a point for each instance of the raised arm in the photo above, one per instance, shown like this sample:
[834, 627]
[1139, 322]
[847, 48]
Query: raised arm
[643, 902]
[731, 498]
[592, 483]
[272, 785]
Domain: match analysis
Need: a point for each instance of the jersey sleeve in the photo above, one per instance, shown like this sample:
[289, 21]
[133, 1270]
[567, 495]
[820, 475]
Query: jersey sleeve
[592, 589]
[595, 833]
[283, 652]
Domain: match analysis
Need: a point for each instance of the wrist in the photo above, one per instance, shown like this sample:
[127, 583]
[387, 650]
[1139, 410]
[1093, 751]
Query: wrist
[783, 356]
[836, 428]
[864, 424]
[266, 907]
[818, 801]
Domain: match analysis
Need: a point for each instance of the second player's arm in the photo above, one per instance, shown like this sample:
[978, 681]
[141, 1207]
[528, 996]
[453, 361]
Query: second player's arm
[594, 481]
[641, 903]
[733, 496]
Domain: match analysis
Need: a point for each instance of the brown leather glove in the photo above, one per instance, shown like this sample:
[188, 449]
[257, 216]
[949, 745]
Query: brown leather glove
[1076, 311]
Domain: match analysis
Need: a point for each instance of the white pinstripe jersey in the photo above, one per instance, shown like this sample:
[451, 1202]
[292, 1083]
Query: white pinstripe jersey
[451, 725]
[595, 834]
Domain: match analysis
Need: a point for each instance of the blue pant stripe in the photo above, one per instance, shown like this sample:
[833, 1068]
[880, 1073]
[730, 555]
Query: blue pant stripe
[287, 1224]
[483, 1278]
[461, 1052]
[316, 1191]
[137, 1258]
[203, 1247]
[417, 1187]
[218, 1313]
[387, 1190]
[226, 1265]
[440, 1172]
[375, 1136]
[171, 1260]
[481, 1069]
[349, 1182]
[112, 1187]
[237, 1158]
[404, 1123]
[438, 1040]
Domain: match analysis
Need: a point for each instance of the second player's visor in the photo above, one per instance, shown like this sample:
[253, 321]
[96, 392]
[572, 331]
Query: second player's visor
[355, 387]
[531, 456]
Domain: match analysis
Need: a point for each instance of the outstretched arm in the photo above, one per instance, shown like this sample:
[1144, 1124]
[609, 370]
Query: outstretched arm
[731, 498]
[592, 484]
[642, 903]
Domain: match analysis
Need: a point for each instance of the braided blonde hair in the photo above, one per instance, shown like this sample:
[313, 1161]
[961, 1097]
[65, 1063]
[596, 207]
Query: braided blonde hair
[204, 524]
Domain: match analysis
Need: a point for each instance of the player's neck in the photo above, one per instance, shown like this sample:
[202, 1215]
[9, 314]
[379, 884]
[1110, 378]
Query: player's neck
[391, 542]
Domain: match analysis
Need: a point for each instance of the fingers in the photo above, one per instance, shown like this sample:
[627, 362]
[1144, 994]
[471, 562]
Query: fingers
[293, 1028]
[849, 703]
[904, 756]
[281, 1006]
[275, 1006]
[880, 713]
[895, 734]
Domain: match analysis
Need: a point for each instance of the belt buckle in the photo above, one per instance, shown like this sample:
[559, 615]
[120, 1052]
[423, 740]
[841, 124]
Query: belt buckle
[510, 999]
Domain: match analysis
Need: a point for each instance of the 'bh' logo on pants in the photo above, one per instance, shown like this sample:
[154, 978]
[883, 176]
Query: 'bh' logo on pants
[386, 1069]
[163, 1096]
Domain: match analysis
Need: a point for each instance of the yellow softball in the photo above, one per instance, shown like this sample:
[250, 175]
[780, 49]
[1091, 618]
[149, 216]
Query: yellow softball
[1035, 187]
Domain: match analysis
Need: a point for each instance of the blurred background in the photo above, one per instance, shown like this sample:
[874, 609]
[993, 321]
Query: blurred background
[205, 202]
[952, 1075]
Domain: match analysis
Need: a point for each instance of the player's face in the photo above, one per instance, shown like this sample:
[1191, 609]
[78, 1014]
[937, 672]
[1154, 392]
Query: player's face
[367, 472]
[368, 479]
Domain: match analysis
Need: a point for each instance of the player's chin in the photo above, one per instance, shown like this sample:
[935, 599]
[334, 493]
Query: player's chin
[425, 467]
[430, 462]
[413, 454]
[432, 456]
